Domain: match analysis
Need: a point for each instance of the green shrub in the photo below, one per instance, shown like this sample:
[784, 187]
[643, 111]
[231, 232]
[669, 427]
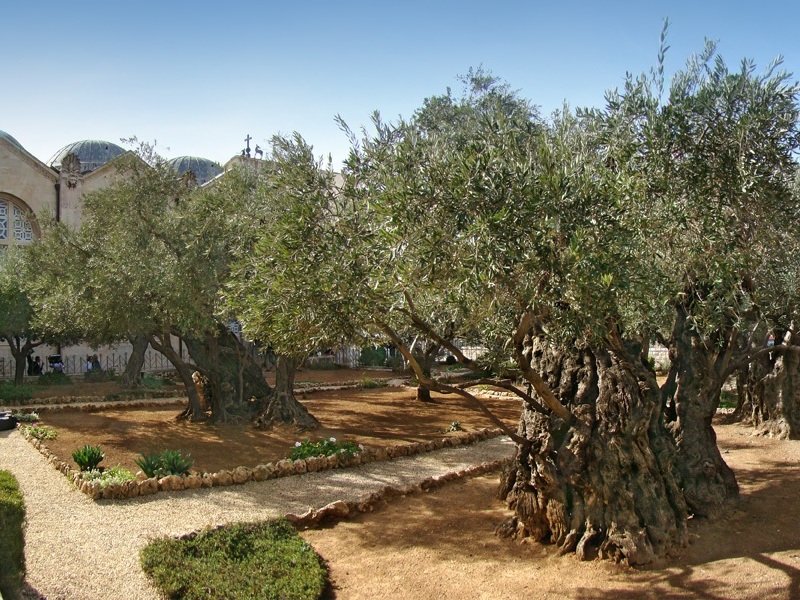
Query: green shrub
[31, 417]
[372, 357]
[240, 560]
[98, 375]
[396, 364]
[41, 432]
[368, 383]
[153, 383]
[88, 457]
[327, 447]
[54, 378]
[15, 393]
[12, 538]
[113, 475]
[169, 462]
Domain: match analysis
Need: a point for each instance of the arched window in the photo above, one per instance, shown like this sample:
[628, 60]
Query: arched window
[15, 224]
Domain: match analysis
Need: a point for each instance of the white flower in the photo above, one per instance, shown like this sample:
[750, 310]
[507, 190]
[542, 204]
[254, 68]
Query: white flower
[361, 446]
[333, 439]
[297, 444]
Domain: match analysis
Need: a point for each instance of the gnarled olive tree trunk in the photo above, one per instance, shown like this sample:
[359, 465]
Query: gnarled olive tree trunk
[708, 482]
[132, 375]
[604, 484]
[281, 406]
[771, 400]
[235, 380]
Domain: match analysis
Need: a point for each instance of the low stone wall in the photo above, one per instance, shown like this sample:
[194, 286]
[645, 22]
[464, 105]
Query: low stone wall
[138, 398]
[239, 475]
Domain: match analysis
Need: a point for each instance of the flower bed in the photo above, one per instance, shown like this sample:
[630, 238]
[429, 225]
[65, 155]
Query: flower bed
[240, 475]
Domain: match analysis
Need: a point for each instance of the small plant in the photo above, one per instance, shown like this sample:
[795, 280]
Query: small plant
[30, 417]
[327, 447]
[54, 378]
[113, 475]
[368, 383]
[88, 457]
[454, 426]
[40, 432]
[150, 464]
[174, 463]
[168, 462]
[12, 537]
[15, 393]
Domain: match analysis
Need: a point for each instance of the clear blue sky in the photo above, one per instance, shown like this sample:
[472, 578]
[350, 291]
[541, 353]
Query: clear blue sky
[196, 77]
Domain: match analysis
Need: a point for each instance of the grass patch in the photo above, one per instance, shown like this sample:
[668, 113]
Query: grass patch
[728, 399]
[242, 560]
[12, 539]
[369, 384]
[54, 378]
[15, 393]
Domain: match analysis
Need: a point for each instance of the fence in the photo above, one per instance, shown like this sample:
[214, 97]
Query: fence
[76, 364]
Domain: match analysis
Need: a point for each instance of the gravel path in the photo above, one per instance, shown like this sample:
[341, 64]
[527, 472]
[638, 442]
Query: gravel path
[79, 549]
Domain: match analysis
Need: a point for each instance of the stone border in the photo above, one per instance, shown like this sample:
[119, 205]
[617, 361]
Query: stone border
[56, 402]
[239, 475]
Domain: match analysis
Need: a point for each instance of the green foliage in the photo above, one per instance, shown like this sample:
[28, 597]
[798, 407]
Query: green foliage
[31, 417]
[325, 447]
[266, 560]
[40, 432]
[12, 539]
[15, 393]
[396, 364]
[367, 383]
[54, 378]
[88, 457]
[149, 463]
[154, 383]
[98, 375]
[372, 357]
[454, 426]
[114, 475]
[168, 462]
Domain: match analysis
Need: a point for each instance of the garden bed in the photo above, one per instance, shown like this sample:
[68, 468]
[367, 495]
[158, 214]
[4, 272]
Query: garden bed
[388, 422]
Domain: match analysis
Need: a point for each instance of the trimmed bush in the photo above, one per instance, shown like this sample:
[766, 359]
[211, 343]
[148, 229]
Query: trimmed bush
[240, 560]
[12, 539]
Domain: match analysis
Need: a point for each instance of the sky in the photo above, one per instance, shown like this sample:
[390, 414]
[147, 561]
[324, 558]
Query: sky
[196, 78]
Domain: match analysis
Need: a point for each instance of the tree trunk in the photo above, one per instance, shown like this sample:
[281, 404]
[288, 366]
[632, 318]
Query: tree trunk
[194, 412]
[132, 375]
[426, 360]
[707, 481]
[281, 406]
[772, 393]
[20, 351]
[603, 485]
[236, 381]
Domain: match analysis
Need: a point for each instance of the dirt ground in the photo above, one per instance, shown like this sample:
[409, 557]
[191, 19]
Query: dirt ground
[441, 545]
[373, 417]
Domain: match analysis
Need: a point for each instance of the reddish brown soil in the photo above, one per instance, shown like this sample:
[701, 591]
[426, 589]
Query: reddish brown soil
[373, 417]
[442, 545]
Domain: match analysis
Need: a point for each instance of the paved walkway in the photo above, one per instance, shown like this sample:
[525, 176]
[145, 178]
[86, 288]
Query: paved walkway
[79, 549]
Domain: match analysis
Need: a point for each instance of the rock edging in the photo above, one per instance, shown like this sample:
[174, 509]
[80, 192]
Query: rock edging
[240, 475]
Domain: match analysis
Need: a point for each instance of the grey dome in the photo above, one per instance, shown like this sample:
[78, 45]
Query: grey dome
[91, 153]
[11, 139]
[204, 170]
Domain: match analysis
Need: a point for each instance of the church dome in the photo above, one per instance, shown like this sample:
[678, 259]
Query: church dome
[11, 139]
[91, 153]
[204, 170]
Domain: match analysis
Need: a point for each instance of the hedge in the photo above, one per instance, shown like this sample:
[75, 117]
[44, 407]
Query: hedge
[12, 540]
